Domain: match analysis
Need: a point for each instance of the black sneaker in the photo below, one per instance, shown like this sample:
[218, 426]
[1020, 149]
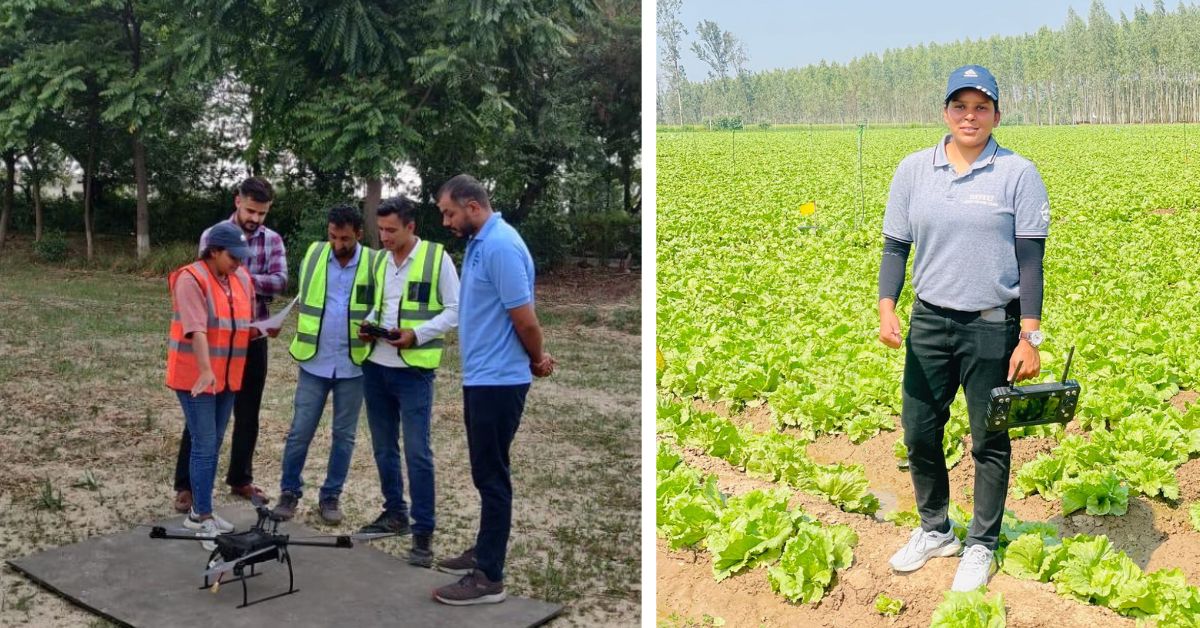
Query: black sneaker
[286, 508]
[421, 553]
[387, 523]
[460, 565]
[473, 588]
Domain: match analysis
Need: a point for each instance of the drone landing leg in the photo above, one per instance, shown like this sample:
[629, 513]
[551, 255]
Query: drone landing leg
[284, 557]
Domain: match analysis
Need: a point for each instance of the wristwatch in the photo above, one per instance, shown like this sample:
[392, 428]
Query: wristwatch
[1034, 338]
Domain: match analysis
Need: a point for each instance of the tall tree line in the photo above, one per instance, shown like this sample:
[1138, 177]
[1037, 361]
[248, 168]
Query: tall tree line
[161, 99]
[1143, 68]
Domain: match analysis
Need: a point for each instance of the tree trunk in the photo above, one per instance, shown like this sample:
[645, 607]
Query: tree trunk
[143, 210]
[89, 173]
[35, 189]
[627, 181]
[10, 173]
[370, 204]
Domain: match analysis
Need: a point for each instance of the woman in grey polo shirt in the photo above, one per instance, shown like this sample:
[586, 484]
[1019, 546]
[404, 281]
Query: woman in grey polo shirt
[978, 217]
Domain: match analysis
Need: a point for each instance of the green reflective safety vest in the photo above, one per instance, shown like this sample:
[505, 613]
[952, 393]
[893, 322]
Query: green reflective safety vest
[419, 302]
[312, 300]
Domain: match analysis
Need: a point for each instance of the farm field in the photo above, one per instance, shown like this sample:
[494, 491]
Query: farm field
[773, 380]
[89, 434]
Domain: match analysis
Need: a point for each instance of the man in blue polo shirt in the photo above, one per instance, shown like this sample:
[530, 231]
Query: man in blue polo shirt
[501, 345]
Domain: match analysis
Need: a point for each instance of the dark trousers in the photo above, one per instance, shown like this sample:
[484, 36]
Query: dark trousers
[492, 415]
[945, 349]
[246, 405]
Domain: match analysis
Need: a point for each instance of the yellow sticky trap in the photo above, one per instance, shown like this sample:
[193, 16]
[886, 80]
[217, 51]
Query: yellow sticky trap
[808, 208]
[659, 359]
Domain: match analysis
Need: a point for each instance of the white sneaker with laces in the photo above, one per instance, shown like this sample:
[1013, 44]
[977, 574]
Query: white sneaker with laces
[223, 526]
[974, 569]
[922, 546]
[203, 528]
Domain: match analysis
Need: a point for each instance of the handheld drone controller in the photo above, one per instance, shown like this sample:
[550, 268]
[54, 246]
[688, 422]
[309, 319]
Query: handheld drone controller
[1038, 404]
[375, 331]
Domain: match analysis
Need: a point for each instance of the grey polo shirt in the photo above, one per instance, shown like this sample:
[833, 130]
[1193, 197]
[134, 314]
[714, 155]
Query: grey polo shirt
[964, 227]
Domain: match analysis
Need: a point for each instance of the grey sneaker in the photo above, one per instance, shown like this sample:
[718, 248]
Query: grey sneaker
[460, 565]
[421, 553]
[922, 546]
[286, 508]
[387, 523]
[473, 588]
[330, 513]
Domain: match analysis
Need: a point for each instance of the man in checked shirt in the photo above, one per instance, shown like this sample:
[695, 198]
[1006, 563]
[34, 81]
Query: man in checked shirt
[268, 267]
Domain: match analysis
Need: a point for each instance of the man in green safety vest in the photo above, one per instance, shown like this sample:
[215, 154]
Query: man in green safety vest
[417, 302]
[338, 281]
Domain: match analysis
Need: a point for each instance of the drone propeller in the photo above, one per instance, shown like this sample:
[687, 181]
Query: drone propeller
[358, 536]
[175, 534]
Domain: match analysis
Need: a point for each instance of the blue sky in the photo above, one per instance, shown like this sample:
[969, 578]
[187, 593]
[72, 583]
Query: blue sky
[795, 34]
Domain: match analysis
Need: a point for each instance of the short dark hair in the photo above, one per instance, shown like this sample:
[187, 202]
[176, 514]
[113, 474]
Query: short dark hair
[256, 188]
[464, 188]
[400, 206]
[342, 215]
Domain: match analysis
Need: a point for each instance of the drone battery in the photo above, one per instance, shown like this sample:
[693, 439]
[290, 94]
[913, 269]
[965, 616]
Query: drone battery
[235, 546]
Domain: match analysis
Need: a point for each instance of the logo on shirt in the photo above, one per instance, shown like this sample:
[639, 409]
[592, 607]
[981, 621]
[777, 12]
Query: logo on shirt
[1045, 212]
[982, 199]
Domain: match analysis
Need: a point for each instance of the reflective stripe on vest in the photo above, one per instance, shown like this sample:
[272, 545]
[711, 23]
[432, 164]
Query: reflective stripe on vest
[228, 330]
[425, 268]
[313, 287]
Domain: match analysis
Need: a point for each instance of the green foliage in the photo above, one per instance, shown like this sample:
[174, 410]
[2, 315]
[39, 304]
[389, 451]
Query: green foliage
[549, 236]
[1101, 492]
[751, 530]
[607, 235]
[969, 609]
[887, 606]
[810, 559]
[1194, 515]
[52, 248]
[686, 505]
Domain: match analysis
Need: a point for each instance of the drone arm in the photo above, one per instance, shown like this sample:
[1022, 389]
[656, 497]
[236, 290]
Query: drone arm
[340, 541]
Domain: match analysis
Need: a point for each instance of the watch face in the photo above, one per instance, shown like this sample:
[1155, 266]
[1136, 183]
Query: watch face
[1035, 338]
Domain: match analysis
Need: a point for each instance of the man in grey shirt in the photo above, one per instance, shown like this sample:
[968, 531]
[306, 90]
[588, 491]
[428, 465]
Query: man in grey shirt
[978, 215]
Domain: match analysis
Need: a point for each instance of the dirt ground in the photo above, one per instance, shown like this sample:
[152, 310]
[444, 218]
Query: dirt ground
[88, 436]
[1154, 533]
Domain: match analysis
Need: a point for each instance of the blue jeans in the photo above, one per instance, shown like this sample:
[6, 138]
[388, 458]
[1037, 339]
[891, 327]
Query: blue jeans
[311, 394]
[206, 416]
[492, 415]
[402, 397]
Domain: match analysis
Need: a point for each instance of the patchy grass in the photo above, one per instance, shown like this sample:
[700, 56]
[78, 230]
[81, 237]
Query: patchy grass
[88, 435]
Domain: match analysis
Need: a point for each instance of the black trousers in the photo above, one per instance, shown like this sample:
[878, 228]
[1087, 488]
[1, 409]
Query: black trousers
[492, 415]
[945, 349]
[246, 406]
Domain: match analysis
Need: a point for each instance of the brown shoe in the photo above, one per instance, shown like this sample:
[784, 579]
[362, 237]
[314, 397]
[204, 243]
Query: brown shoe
[250, 492]
[183, 501]
[460, 565]
[473, 588]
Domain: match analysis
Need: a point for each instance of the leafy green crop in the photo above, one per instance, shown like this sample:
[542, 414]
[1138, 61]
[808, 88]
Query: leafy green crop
[752, 529]
[889, 607]
[969, 609]
[809, 560]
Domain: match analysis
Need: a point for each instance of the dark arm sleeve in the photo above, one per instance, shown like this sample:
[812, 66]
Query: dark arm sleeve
[1029, 266]
[891, 268]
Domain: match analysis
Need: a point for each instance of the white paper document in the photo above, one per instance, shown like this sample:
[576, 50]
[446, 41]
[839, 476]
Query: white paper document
[275, 322]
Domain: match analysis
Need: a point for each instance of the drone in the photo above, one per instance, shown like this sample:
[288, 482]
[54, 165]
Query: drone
[236, 551]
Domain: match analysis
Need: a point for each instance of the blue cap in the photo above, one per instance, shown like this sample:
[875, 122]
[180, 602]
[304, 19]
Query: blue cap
[231, 238]
[974, 77]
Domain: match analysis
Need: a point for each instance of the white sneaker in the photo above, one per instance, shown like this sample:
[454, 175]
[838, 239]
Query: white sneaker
[206, 528]
[922, 546]
[974, 569]
[223, 526]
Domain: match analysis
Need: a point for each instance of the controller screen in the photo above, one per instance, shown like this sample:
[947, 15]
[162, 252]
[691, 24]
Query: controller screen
[1028, 409]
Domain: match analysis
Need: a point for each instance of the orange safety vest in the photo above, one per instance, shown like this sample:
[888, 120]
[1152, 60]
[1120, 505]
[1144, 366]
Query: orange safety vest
[228, 331]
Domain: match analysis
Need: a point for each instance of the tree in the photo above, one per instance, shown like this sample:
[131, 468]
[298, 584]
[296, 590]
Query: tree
[671, 31]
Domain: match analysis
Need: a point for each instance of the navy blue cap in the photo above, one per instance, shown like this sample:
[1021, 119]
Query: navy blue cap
[974, 77]
[231, 238]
